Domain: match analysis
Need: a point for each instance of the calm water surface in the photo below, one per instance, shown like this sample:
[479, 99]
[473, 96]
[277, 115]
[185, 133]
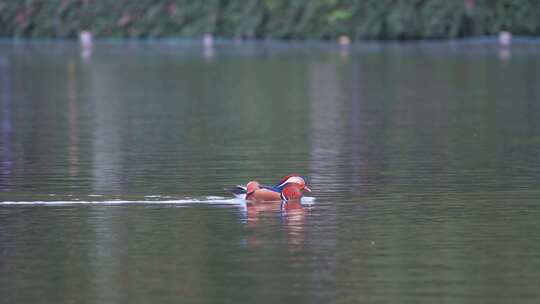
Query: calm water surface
[424, 160]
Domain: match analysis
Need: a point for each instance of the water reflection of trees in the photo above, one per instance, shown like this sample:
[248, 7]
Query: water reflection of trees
[403, 136]
[422, 145]
[421, 122]
[6, 158]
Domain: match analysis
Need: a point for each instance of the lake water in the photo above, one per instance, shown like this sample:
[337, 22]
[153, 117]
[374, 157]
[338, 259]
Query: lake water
[424, 160]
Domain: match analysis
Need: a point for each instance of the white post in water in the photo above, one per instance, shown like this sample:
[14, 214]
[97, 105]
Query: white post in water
[505, 38]
[208, 46]
[85, 41]
[344, 40]
[208, 40]
[344, 43]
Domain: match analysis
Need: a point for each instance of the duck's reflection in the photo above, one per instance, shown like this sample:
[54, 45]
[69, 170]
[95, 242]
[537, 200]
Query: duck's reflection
[291, 215]
[294, 220]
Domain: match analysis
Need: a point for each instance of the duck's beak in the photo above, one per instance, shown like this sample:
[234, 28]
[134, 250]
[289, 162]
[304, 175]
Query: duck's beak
[306, 189]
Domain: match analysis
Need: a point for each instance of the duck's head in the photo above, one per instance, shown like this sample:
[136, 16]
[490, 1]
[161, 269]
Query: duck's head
[296, 179]
[252, 187]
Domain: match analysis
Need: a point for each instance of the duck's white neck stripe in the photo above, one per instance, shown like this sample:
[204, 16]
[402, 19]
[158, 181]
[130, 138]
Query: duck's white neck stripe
[285, 182]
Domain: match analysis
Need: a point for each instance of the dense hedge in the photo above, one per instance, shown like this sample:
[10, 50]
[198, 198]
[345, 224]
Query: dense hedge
[294, 19]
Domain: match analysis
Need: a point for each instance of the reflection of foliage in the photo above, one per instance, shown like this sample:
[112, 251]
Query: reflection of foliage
[300, 19]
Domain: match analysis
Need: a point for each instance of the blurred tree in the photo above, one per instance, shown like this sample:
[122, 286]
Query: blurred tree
[299, 19]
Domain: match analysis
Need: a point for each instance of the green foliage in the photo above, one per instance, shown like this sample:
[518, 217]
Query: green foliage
[298, 19]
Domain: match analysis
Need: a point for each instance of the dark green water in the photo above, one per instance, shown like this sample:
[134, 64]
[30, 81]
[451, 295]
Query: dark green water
[424, 160]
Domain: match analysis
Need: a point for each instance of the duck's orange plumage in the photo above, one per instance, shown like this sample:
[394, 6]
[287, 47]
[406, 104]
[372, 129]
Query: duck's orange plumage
[291, 187]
